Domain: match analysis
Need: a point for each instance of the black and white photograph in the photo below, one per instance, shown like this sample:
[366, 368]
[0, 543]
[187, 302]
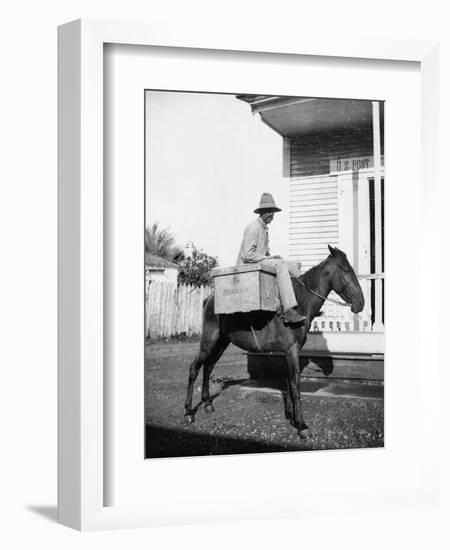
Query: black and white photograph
[227, 329]
[264, 273]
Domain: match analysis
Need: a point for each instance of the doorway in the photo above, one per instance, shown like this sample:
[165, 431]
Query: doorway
[376, 235]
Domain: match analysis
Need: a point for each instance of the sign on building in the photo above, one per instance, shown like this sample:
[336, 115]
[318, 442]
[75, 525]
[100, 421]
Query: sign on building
[350, 164]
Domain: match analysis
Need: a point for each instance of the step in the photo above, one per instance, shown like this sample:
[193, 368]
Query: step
[347, 366]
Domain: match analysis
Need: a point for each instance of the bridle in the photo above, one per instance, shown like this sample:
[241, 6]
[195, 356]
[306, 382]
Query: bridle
[337, 302]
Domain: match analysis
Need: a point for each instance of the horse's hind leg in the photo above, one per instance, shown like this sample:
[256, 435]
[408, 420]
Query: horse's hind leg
[208, 366]
[205, 356]
[193, 373]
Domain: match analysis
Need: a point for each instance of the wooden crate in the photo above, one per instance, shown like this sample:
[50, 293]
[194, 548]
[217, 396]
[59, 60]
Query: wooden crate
[243, 288]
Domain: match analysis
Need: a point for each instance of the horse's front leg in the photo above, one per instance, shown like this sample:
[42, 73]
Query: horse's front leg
[289, 408]
[293, 376]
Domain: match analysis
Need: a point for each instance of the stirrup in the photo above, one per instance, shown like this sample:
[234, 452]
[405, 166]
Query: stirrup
[297, 320]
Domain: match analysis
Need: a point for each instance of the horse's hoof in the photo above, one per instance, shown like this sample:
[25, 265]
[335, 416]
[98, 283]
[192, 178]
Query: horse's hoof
[189, 419]
[305, 433]
[209, 409]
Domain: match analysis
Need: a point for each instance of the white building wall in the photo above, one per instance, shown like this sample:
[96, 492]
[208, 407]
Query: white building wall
[333, 209]
[313, 218]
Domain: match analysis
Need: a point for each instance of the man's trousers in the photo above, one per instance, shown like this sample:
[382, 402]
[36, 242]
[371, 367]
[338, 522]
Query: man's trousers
[284, 269]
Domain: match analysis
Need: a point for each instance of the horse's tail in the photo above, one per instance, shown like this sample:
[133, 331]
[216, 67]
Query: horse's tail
[207, 297]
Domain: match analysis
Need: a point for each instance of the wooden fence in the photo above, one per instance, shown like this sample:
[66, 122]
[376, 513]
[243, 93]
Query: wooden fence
[171, 310]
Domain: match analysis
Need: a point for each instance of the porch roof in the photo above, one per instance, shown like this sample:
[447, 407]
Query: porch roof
[301, 116]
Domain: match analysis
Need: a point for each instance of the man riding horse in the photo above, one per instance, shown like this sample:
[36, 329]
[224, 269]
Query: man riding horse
[255, 249]
[266, 330]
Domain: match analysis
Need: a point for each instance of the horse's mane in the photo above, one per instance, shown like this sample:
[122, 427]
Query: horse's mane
[311, 277]
[311, 280]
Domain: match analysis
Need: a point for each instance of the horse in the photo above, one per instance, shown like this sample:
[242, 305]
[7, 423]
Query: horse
[267, 331]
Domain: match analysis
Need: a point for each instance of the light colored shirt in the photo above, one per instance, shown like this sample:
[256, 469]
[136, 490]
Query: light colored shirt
[255, 244]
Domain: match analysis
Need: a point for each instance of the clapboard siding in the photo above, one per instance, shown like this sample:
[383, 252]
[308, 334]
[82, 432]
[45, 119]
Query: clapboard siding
[313, 219]
[307, 242]
[297, 219]
[315, 200]
[311, 155]
[324, 186]
[313, 192]
[310, 227]
[313, 197]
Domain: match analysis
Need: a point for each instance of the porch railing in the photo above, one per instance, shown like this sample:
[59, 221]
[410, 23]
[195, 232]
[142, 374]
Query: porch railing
[337, 318]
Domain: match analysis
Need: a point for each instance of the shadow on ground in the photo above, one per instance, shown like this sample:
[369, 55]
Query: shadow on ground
[163, 442]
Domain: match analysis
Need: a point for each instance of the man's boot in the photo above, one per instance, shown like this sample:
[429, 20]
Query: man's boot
[293, 317]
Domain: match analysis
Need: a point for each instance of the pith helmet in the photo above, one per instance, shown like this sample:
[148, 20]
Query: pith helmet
[267, 204]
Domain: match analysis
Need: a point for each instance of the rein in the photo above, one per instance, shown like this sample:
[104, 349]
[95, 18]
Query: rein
[337, 302]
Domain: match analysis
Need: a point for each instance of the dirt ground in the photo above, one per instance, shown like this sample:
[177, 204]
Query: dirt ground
[249, 416]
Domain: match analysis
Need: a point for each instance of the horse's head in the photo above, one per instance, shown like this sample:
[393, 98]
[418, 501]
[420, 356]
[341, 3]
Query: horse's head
[343, 279]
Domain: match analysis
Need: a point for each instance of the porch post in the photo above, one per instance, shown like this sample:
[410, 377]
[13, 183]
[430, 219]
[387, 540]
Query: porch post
[378, 324]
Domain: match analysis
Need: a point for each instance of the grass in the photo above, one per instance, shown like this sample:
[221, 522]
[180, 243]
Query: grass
[244, 421]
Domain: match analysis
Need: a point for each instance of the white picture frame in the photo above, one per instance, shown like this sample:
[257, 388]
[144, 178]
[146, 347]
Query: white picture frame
[81, 480]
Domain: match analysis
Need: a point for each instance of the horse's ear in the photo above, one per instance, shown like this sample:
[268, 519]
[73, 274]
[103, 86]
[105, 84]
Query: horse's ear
[332, 250]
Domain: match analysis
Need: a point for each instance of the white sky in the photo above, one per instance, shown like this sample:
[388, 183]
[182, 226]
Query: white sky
[208, 160]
